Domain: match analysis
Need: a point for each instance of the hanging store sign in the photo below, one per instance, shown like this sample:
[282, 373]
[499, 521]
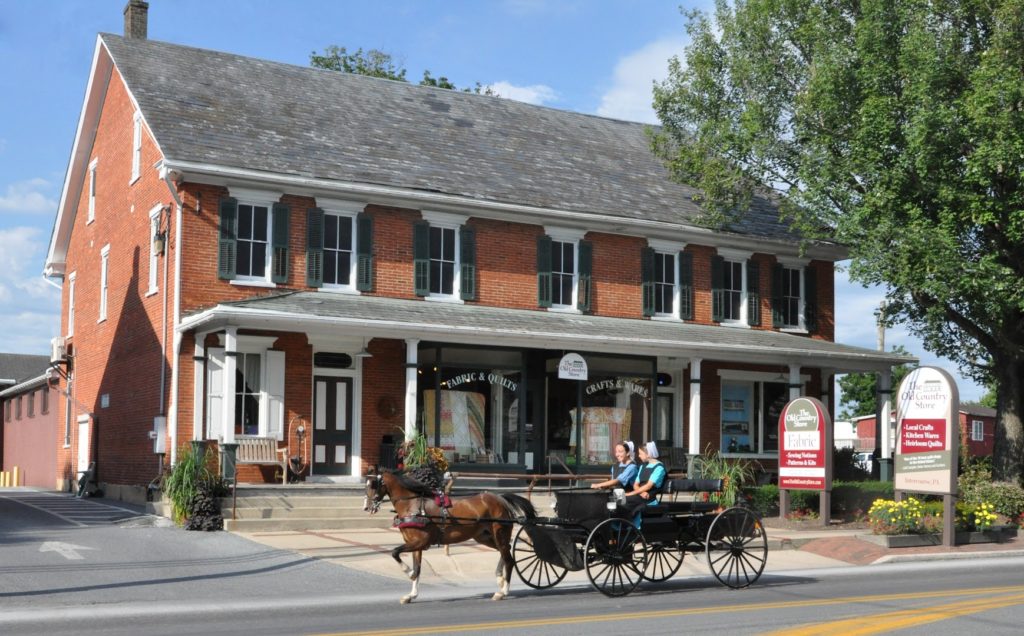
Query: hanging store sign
[928, 423]
[572, 366]
[805, 446]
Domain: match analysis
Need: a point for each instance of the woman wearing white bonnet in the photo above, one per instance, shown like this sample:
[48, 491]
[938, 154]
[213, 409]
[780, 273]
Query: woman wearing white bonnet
[649, 480]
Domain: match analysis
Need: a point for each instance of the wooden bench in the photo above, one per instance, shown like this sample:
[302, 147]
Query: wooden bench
[262, 451]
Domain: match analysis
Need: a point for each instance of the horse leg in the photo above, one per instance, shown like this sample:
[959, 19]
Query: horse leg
[417, 560]
[503, 573]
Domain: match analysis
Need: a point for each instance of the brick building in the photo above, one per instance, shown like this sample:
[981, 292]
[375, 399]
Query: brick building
[28, 424]
[253, 249]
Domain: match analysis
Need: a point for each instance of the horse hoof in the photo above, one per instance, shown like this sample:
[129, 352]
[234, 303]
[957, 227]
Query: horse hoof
[498, 596]
[405, 600]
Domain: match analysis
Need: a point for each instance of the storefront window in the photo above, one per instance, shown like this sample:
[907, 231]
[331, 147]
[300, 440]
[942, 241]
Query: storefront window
[750, 416]
[472, 412]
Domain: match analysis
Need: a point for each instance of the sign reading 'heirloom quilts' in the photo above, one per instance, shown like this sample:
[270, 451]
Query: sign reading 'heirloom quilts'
[928, 424]
[805, 446]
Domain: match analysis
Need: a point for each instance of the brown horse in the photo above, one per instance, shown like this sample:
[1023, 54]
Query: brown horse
[486, 517]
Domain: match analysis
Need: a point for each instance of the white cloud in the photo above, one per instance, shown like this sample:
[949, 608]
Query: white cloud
[32, 196]
[630, 95]
[29, 307]
[537, 94]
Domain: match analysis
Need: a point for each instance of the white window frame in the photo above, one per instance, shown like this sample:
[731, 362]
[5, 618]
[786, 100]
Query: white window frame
[343, 210]
[71, 303]
[260, 198]
[670, 249]
[977, 430]
[454, 222]
[104, 281]
[756, 381]
[91, 185]
[136, 146]
[154, 258]
[268, 402]
[740, 257]
[572, 236]
[798, 264]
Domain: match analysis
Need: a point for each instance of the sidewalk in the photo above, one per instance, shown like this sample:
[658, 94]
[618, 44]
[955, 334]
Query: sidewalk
[370, 551]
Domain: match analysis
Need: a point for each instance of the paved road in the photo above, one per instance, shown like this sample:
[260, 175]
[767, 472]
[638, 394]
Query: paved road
[129, 575]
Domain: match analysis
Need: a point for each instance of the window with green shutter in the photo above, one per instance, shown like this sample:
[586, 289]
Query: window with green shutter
[467, 263]
[753, 294]
[279, 243]
[364, 252]
[544, 248]
[810, 299]
[685, 286]
[647, 283]
[778, 319]
[314, 247]
[717, 289]
[584, 292]
[421, 258]
[227, 245]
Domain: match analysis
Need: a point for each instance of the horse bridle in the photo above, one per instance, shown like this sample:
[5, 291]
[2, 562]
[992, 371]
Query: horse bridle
[373, 505]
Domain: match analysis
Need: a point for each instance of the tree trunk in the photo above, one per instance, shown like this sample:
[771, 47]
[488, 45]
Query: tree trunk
[1008, 458]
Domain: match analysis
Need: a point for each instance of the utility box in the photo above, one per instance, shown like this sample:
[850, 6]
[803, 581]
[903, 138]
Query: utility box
[159, 434]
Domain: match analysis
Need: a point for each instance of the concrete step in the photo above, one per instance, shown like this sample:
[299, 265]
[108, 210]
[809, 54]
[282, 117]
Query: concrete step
[297, 501]
[275, 525]
[295, 513]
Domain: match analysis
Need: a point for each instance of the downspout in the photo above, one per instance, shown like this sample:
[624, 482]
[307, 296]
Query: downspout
[172, 423]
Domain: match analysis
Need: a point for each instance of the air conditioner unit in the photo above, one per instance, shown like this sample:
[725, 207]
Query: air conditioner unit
[57, 349]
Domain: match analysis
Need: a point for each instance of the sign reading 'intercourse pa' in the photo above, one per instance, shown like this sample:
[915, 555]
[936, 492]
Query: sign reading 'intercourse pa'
[805, 452]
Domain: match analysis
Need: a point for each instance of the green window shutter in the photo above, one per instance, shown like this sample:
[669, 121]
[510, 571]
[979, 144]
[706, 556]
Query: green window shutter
[753, 294]
[585, 290]
[227, 247]
[647, 280]
[685, 286]
[777, 272]
[810, 299]
[364, 252]
[717, 288]
[467, 263]
[421, 258]
[544, 271]
[279, 243]
[315, 247]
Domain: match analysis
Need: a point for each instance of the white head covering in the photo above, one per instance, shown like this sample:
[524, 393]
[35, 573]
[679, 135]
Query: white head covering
[630, 446]
[652, 450]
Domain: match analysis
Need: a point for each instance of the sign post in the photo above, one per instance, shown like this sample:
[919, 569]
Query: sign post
[805, 453]
[927, 448]
[572, 366]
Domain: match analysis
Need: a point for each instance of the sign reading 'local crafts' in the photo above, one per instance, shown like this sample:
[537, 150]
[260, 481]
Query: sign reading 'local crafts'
[805, 451]
[572, 366]
[928, 422]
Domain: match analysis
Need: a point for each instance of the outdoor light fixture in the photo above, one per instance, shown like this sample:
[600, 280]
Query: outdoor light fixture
[363, 353]
[159, 240]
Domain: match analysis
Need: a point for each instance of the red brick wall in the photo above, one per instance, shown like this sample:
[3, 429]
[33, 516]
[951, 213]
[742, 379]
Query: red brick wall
[109, 355]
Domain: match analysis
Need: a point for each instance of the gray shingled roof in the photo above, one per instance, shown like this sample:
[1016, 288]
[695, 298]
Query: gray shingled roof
[449, 322]
[233, 111]
[19, 366]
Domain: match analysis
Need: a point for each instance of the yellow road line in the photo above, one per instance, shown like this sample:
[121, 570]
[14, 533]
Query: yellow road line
[903, 619]
[1016, 590]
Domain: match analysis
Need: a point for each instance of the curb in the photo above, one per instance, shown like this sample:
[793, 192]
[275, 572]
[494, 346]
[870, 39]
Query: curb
[948, 556]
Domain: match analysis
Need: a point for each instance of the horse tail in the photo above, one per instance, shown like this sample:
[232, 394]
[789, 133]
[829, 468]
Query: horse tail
[520, 506]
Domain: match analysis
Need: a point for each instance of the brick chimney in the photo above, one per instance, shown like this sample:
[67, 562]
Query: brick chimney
[135, 14]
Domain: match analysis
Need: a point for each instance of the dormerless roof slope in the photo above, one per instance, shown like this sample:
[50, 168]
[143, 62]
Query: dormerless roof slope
[227, 110]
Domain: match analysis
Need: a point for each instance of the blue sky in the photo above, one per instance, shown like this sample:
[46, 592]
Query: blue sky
[591, 56]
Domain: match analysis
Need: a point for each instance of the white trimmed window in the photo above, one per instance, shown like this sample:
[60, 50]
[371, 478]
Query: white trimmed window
[253, 248]
[136, 145]
[154, 257]
[258, 389]
[661, 273]
[339, 252]
[789, 297]
[71, 303]
[750, 405]
[444, 258]
[729, 286]
[253, 241]
[104, 283]
[91, 215]
[977, 431]
[565, 267]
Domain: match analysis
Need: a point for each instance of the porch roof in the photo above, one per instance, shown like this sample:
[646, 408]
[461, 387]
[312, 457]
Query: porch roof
[322, 314]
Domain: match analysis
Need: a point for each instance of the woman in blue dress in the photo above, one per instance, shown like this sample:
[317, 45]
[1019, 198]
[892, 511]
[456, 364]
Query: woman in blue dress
[625, 471]
[649, 480]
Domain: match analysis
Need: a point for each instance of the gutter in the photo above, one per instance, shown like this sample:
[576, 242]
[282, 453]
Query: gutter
[418, 199]
[27, 384]
[172, 419]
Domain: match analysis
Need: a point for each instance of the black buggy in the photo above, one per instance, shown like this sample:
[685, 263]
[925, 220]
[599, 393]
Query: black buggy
[591, 532]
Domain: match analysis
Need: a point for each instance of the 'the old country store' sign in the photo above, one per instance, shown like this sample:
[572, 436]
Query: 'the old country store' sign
[805, 451]
[928, 423]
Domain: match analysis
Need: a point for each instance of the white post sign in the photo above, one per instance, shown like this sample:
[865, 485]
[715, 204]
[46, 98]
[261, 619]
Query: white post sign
[928, 424]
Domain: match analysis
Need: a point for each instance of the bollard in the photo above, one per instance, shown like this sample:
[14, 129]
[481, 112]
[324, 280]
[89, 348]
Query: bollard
[3, 479]
[16, 481]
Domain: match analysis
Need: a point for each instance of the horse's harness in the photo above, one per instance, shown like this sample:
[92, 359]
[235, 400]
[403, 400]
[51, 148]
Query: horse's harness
[419, 520]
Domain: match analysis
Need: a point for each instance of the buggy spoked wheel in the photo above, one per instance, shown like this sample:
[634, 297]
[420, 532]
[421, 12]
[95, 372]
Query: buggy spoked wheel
[615, 554]
[663, 561]
[533, 570]
[736, 547]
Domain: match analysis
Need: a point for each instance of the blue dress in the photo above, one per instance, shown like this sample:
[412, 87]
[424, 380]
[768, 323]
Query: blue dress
[625, 474]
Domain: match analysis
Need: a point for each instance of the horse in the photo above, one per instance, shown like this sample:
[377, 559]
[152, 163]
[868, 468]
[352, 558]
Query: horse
[485, 517]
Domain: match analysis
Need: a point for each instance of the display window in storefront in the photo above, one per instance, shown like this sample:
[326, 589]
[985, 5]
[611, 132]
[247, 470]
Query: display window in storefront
[750, 416]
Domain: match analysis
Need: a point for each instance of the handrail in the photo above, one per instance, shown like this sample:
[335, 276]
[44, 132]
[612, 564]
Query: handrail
[559, 460]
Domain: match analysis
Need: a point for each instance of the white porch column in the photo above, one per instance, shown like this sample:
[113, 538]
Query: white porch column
[693, 445]
[885, 414]
[198, 379]
[230, 368]
[411, 358]
[795, 385]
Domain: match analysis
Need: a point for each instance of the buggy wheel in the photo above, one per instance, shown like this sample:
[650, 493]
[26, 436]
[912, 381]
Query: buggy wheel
[532, 570]
[736, 547]
[663, 561]
[615, 554]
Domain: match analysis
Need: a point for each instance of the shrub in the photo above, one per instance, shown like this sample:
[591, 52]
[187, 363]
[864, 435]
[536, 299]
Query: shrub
[764, 500]
[734, 473]
[976, 487]
[845, 466]
[192, 489]
[974, 516]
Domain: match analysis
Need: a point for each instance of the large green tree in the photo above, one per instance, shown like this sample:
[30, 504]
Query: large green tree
[895, 127]
[860, 389]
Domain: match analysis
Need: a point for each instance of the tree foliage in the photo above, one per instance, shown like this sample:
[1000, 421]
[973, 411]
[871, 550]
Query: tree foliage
[376, 63]
[859, 389]
[896, 128]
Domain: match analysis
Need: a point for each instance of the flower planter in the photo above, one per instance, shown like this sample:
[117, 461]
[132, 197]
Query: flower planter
[997, 534]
